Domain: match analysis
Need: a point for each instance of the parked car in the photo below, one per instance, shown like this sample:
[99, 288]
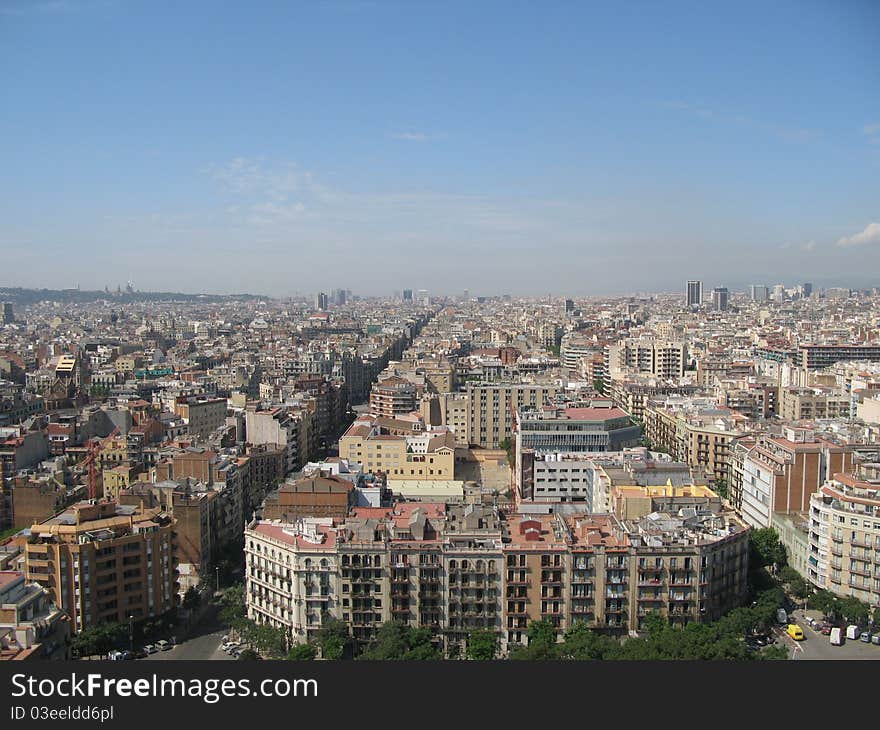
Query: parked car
[139, 654]
[865, 636]
[875, 639]
[163, 645]
[114, 655]
[826, 629]
[782, 616]
[852, 632]
[151, 648]
[836, 636]
[795, 632]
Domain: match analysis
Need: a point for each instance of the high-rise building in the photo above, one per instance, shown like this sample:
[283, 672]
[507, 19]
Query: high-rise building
[807, 289]
[102, 561]
[694, 293]
[759, 292]
[569, 305]
[720, 298]
[338, 297]
[320, 301]
[423, 297]
[8, 316]
[407, 295]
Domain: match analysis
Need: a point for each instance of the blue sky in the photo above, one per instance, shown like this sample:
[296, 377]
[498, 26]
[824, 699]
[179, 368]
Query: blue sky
[576, 148]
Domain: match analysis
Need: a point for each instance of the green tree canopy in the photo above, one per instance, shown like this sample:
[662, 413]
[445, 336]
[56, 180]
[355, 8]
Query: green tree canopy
[302, 653]
[766, 549]
[482, 645]
[333, 638]
[397, 641]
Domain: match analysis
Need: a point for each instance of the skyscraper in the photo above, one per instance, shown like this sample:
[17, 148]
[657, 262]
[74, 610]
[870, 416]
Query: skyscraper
[8, 316]
[720, 298]
[407, 295]
[759, 292]
[320, 301]
[694, 293]
[807, 289]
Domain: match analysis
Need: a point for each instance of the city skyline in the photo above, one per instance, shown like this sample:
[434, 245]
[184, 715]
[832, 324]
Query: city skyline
[578, 149]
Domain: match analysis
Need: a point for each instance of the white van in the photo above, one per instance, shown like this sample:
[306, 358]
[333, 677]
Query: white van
[852, 632]
[836, 636]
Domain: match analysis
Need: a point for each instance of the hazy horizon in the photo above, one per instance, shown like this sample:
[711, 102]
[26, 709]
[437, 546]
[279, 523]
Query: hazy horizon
[582, 149]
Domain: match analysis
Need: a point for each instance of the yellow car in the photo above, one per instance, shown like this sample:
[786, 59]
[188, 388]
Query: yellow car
[795, 632]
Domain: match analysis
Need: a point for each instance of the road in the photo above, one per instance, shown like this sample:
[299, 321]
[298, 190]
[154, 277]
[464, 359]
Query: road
[202, 645]
[816, 646]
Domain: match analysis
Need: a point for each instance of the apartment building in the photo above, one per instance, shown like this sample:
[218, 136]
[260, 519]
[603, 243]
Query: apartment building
[427, 455]
[492, 408]
[202, 414]
[805, 404]
[450, 410]
[663, 358]
[31, 626]
[102, 561]
[695, 431]
[318, 495]
[454, 568]
[779, 474]
[816, 357]
[275, 427]
[393, 397]
[845, 537]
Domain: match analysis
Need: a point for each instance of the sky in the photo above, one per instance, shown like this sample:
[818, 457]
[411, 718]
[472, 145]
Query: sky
[572, 148]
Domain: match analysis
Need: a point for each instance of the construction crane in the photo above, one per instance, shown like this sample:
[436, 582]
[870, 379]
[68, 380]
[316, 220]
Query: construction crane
[95, 448]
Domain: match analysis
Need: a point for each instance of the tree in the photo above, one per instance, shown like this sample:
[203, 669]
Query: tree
[482, 645]
[722, 489]
[248, 655]
[266, 638]
[302, 653]
[773, 653]
[766, 549]
[542, 643]
[507, 444]
[233, 611]
[823, 601]
[100, 640]
[854, 610]
[333, 638]
[396, 641]
[582, 643]
[191, 599]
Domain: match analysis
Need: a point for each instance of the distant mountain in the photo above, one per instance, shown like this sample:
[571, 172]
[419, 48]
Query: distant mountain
[22, 296]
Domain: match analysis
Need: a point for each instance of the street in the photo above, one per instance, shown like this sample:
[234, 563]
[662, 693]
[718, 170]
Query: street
[203, 643]
[817, 646]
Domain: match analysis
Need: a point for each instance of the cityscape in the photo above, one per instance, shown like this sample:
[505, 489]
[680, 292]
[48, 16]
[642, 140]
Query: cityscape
[460, 476]
[449, 332]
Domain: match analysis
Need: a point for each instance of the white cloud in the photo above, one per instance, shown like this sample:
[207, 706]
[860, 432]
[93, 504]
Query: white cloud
[871, 234]
[809, 246]
[870, 129]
